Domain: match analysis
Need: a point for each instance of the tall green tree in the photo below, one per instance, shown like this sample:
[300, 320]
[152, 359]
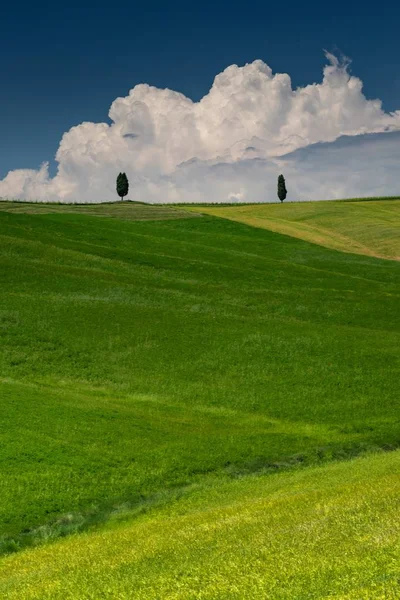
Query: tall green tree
[282, 191]
[122, 185]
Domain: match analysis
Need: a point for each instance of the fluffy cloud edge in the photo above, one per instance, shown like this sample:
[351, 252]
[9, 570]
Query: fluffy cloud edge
[229, 146]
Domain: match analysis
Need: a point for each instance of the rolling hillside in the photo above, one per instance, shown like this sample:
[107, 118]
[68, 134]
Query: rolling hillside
[370, 227]
[148, 360]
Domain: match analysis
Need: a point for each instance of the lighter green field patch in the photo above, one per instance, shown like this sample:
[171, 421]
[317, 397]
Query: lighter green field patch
[329, 532]
[371, 228]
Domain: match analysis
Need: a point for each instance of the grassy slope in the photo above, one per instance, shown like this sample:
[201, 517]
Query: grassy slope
[329, 532]
[137, 356]
[370, 228]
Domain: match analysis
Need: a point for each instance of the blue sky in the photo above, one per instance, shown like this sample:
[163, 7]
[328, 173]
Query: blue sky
[64, 63]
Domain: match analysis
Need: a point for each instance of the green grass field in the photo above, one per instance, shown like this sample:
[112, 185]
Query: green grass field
[329, 532]
[370, 227]
[143, 358]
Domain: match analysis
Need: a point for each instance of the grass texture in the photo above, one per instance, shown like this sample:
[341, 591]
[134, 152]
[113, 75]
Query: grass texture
[330, 532]
[136, 357]
[363, 227]
[129, 211]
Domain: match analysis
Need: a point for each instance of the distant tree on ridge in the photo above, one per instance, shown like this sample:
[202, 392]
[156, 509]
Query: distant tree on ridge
[122, 185]
[282, 191]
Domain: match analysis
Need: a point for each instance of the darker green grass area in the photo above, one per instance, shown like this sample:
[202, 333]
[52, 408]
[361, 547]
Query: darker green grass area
[136, 357]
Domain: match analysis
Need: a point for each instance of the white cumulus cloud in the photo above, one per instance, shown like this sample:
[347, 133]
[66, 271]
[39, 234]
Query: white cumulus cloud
[229, 146]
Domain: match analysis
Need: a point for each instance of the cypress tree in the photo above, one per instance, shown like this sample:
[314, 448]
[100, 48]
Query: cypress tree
[122, 185]
[282, 191]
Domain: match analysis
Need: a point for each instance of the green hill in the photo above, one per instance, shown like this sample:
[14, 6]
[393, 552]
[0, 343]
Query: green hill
[144, 355]
[370, 228]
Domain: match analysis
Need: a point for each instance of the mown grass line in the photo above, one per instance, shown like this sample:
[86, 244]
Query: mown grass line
[129, 211]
